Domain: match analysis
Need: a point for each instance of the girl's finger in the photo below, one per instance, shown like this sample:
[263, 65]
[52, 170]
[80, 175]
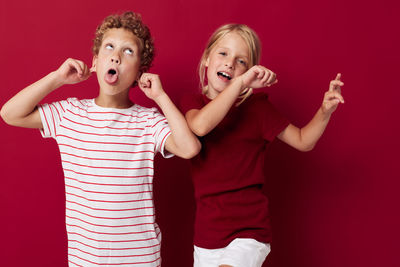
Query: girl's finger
[335, 95]
[272, 78]
[265, 79]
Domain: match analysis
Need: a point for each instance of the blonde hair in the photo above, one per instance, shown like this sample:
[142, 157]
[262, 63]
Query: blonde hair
[132, 22]
[250, 38]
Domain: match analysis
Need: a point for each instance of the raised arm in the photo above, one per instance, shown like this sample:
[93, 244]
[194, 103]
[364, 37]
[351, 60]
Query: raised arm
[21, 110]
[304, 139]
[182, 142]
[202, 121]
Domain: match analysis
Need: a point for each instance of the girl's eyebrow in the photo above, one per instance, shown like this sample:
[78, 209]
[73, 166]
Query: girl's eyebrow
[227, 48]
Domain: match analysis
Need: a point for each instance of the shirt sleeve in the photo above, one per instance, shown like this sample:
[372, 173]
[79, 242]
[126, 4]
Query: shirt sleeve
[160, 132]
[51, 116]
[273, 122]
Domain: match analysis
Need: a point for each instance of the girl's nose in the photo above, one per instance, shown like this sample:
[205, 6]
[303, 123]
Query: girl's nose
[229, 63]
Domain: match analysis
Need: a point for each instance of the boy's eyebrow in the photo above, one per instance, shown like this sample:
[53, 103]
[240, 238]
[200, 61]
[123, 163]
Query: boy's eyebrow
[130, 42]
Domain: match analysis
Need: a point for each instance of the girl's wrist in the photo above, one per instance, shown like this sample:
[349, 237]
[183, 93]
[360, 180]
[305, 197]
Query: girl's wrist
[240, 83]
[325, 113]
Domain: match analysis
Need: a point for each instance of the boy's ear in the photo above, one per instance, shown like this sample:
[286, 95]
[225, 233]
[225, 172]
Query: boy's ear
[207, 62]
[94, 64]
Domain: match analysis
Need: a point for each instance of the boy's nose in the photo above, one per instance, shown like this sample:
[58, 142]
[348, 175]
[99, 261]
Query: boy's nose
[115, 60]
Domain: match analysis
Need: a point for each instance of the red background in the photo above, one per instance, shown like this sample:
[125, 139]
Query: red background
[337, 205]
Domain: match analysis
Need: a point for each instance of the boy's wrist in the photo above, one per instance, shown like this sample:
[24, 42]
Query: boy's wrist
[55, 80]
[161, 98]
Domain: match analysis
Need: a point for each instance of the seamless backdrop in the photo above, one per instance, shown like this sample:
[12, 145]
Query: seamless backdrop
[337, 205]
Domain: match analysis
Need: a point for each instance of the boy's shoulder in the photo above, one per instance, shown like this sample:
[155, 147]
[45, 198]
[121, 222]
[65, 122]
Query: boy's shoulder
[75, 102]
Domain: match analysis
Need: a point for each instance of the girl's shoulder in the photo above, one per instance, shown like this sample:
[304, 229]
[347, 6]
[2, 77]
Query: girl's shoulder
[259, 97]
[194, 100]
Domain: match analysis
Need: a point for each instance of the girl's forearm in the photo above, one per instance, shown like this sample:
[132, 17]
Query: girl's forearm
[206, 119]
[183, 143]
[312, 132]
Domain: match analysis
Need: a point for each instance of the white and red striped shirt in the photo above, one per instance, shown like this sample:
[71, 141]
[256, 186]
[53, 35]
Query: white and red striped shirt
[107, 156]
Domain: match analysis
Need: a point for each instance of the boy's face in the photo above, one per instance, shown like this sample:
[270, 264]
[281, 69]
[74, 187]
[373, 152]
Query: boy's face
[227, 60]
[118, 62]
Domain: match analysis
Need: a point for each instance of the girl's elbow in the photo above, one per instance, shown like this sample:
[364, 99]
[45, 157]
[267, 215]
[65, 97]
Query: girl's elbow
[306, 148]
[199, 132]
[199, 129]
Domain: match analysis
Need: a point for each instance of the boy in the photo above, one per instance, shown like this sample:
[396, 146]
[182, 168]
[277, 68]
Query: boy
[107, 145]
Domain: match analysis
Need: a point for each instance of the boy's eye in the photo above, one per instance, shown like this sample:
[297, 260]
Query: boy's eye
[128, 51]
[109, 47]
[222, 53]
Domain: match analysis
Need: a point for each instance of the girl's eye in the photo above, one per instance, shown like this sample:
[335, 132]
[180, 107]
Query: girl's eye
[129, 51]
[109, 47]
[222, 53]
[241, 61]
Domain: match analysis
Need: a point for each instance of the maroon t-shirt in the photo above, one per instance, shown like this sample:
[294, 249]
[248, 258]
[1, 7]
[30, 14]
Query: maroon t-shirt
[228, 173]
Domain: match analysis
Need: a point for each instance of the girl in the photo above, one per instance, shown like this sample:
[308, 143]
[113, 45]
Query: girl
[235, 125]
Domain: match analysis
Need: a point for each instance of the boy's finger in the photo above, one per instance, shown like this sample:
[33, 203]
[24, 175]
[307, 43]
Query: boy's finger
[338, 76]
[76, 66]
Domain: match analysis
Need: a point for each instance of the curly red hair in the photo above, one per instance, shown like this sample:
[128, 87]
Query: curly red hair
[131, 22]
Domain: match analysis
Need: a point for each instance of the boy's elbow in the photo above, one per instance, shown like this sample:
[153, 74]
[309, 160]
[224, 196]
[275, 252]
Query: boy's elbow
[4, 116]
[194, 150]
[191, 151]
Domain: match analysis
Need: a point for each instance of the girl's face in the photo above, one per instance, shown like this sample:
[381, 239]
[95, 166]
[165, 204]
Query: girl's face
[228, 59]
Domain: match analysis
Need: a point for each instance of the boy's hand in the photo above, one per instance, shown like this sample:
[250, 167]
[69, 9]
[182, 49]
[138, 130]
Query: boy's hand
[333, 96]
[258, 77]
[150, 84]
[72, 71]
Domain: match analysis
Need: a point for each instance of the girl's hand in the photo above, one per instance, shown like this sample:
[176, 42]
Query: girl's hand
[333, 96]
[72, 71]
[258, 77]
[150, 84]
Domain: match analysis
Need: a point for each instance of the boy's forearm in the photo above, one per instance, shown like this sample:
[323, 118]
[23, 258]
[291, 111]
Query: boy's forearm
[185, 143]
[24, 102]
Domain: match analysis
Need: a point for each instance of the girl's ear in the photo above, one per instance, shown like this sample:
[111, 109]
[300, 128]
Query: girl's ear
[207, 62]
[94, 64]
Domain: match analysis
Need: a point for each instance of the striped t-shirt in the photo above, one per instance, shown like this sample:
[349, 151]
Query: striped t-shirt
[107, 156]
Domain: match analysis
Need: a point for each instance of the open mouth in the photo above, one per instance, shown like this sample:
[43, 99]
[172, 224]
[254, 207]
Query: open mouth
[224, 75]
[111, 76]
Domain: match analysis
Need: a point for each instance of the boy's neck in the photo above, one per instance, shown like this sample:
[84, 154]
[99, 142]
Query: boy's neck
[113, 102]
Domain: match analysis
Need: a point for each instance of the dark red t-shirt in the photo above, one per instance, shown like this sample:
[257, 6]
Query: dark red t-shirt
[228, 173]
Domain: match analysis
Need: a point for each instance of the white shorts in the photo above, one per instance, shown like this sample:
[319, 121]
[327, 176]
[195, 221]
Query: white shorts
[241, 252]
